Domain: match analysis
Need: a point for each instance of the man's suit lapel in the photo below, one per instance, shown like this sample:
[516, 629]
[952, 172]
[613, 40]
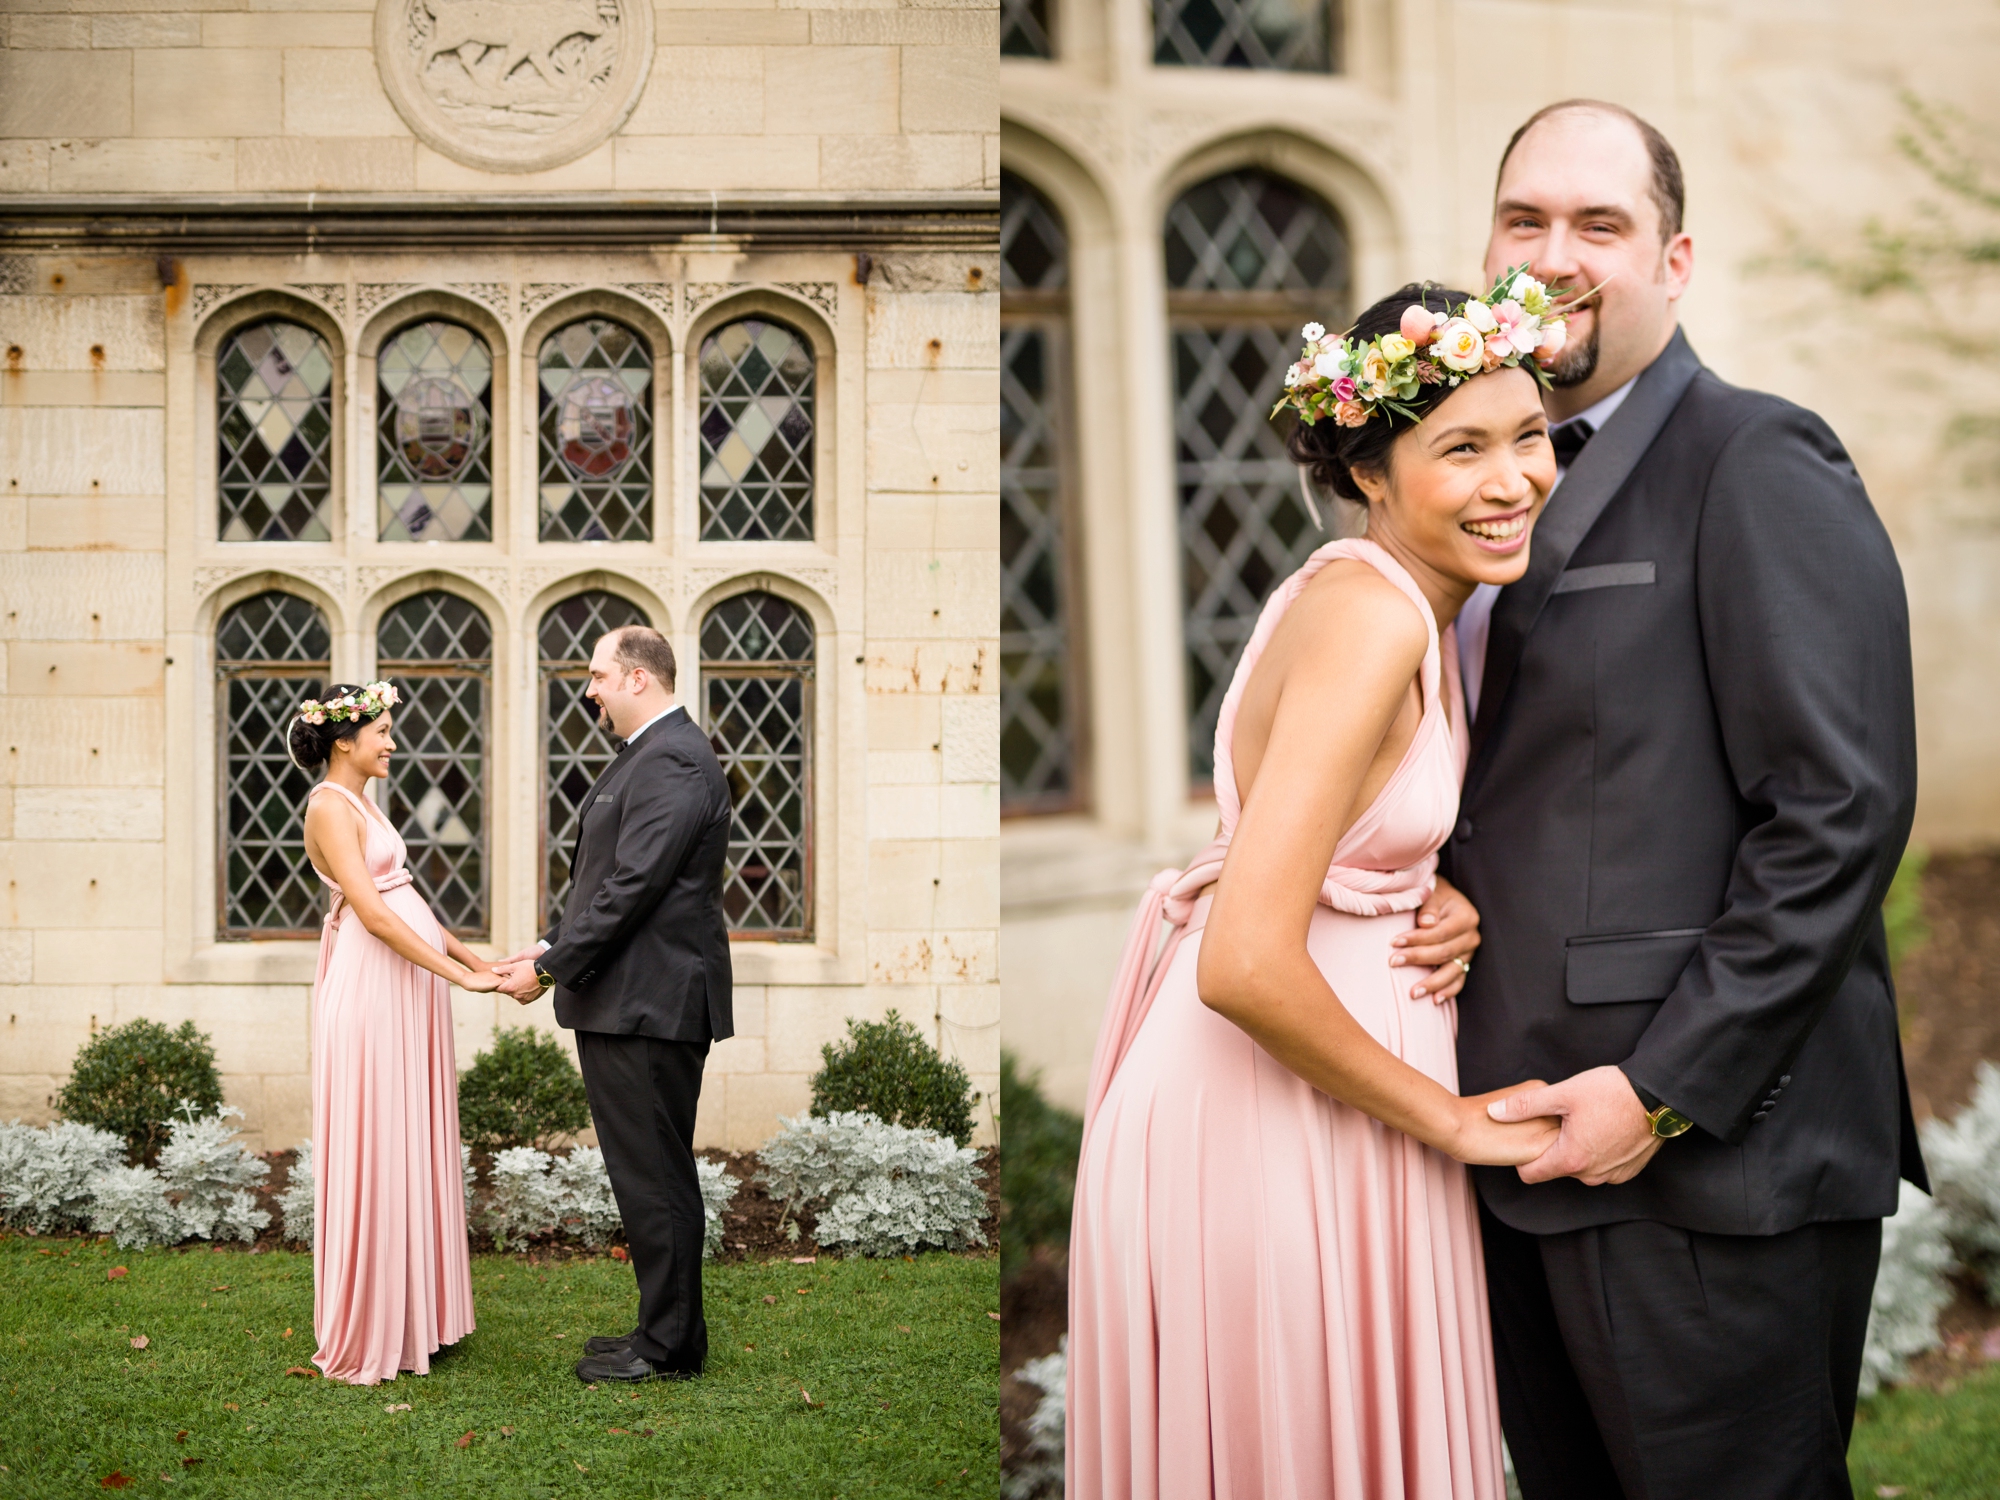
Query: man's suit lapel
[1599, 473]
[617, 765]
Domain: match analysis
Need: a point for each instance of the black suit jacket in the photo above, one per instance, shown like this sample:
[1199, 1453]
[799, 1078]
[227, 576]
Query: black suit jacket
[1692, 775]
[641, 946]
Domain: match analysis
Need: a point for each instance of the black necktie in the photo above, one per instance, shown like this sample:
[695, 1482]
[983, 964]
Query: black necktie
[1568, 440]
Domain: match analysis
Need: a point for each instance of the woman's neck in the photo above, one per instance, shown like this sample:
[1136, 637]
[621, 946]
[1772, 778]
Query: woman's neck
[1445, 594]
[347, 775]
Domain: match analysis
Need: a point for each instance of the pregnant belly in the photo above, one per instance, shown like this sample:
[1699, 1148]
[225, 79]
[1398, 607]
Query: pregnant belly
[1353, 953]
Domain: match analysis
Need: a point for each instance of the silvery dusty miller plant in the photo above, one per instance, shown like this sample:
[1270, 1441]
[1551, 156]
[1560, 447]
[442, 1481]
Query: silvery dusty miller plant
[1910, 1290]
[296, 1201]
[45, 1174]
[1040, 1473]
[209, 1167]
[536, 1193]
[718, 1191]
[888, 1190]
[1964, 1159]
[130, 1204]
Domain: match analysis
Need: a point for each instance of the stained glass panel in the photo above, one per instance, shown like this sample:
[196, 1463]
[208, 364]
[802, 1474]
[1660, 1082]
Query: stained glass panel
[756, 673]
[1250, 257]
[756, 434]
[274, 434]
[437, 649]
[1297, 36]
[271, 652]
[434, 429]
[596, 394]
[1039, 763]
[574, 750]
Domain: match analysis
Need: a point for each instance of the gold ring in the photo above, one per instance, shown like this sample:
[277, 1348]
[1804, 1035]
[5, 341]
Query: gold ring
[1464, 965]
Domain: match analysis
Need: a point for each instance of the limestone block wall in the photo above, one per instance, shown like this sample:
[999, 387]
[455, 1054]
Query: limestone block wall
[234, 96]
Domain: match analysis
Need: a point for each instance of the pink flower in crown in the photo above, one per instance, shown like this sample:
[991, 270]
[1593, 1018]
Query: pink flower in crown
[1419, 323]
[1497, 352]
[1343, 388]
[1554, 336]
[1350, 414]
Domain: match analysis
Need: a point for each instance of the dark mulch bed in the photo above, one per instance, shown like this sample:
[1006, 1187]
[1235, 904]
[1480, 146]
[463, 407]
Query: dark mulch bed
[750, 1226]
[1034, 1311]
[1948, 988]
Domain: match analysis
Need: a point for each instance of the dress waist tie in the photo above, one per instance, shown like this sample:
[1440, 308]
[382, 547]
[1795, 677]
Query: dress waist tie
[337, 908]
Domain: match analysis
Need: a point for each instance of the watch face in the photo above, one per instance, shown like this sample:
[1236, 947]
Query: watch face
[1668, 1123]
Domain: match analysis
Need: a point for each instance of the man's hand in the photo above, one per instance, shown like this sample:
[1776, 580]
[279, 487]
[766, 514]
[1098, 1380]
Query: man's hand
[527, 955]
[1605, 1137]
[1447, 930]
[519, 980]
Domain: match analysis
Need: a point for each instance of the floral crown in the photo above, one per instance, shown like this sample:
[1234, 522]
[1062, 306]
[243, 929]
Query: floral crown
[1514, 324]
[362, 703]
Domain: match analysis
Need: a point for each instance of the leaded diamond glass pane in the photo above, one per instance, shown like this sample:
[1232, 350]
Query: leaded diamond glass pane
[435, 648]
[270, 654]
[1024, 29]
[1037, 746]
[274, 435]
[596, 395]
[575, 750]
[434, 435]
[756, 434]
[1252, 231]
[1254, 242]
[1295, 36]
[1034, 250]
[757, 666]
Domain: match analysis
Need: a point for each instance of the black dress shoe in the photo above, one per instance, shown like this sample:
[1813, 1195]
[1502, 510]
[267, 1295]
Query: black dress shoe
[623, 1365]
[607, 1343]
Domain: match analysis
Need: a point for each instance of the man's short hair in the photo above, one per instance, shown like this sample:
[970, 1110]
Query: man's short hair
[635, 646]
[1669, 188]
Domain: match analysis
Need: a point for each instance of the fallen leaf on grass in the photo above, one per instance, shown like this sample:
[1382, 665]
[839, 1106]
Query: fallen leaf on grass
[805, 1291]
[647, 1431]
[189, 1463]
[805, 1260]
[464, 1442]
[288, 1332]
[181, 1436]
[994, 1316]
[619, 1252]
[902, 1328]
[141, 1342]
[579, 1467]
[617, 1432]
[218, 1289]
[305, 1370]
[770, 1299]
[506, 1432]
[1888, 1491]
[806, 1396]
[117, 1479]
[397, 1406]
[231, 1406]
[116, 1273]
[749, 1348]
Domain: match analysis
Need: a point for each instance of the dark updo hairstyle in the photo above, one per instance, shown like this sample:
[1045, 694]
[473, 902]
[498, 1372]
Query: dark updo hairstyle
[1330, 453]
[311, 745]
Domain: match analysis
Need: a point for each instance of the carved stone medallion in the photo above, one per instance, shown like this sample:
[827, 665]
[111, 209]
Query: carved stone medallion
[514, 85]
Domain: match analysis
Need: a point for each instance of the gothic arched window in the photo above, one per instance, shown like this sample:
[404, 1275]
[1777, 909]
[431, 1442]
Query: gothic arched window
[757, 698]
[1294, 36]
[1251, 258]
[438, 649]
[574, 750]
[434, 431]
[756, 434]
[274, 433]
[1040, 707]
[596, 400]
[271, 652]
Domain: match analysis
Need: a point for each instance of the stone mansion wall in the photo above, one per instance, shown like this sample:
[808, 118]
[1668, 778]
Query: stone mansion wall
[333, 349]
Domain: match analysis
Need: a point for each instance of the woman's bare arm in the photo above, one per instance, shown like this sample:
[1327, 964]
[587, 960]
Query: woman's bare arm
[336, 838]
[453, 948]
[1336, 701]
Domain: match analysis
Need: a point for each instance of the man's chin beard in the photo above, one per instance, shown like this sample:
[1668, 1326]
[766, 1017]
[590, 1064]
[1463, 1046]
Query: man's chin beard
[1576, 364]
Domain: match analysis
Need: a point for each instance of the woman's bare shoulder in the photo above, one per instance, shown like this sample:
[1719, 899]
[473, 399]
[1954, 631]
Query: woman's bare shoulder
[1349, 604]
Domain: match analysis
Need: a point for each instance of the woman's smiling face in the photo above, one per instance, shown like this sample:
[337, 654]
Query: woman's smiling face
[369, 751]
[1463, 487]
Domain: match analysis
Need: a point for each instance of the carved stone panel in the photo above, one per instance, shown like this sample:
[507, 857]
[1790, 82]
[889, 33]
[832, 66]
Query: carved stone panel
[514, 85]
[208, 293]
[332, 294]
[492, 293]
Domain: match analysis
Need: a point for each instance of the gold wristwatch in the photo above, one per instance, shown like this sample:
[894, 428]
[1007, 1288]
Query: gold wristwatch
[1669, 1122]
[548, 980]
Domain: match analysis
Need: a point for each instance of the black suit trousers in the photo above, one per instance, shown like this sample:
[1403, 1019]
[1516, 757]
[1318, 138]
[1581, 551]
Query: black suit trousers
[1639, 1361]
[643, 1092]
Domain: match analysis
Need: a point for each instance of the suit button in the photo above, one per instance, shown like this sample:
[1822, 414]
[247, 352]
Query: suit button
[1463, 833]
[1761, 1114]
[1784, 1080]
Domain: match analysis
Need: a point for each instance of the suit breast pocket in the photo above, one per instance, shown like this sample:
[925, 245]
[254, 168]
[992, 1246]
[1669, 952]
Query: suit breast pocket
[1606, 576]
[1628, 966]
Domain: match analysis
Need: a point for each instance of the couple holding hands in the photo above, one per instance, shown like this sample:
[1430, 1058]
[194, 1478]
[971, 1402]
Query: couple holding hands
[1624, 654]
[639, 962]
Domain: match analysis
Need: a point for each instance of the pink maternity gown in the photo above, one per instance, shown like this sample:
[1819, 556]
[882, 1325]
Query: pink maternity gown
[392, 1276]
[1273, 1295]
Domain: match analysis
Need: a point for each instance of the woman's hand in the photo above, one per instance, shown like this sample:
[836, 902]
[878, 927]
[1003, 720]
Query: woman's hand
[479, 981]
[1444, 940]
[1481, 1141]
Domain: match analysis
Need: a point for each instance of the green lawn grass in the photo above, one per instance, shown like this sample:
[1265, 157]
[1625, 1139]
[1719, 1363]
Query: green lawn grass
[1930, 1445]
[899, 1357]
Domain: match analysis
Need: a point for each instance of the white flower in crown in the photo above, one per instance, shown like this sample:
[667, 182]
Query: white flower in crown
[1312, 333]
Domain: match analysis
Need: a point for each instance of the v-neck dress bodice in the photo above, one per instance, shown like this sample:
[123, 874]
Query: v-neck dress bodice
[392, 1272]
[1272, 1294]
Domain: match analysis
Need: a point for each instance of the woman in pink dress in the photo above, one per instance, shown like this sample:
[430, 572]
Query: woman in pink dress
[1275, 1278]
[392, 1276]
